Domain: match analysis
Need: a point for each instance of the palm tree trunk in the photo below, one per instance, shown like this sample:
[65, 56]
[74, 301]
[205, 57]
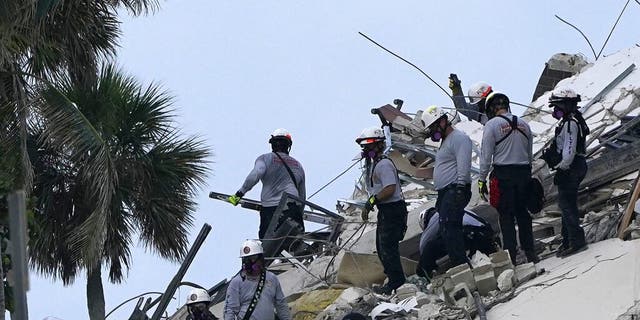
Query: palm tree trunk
[95, 294]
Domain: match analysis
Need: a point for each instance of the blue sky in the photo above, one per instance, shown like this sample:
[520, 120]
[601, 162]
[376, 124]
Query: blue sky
[240, 70]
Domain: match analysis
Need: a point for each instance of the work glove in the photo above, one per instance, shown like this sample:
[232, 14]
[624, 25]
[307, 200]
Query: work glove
[235, 199]
[482, 189]
[368, 206]
[454, 85]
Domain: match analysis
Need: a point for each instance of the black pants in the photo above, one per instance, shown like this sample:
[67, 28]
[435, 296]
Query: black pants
[292, 210]
[392, 224]
[568, 182]
[513, 182]
[432, 251]
[451, 211]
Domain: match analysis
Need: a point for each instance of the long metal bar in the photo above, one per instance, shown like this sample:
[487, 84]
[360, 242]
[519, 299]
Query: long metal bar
[430, 152]
[18, 228]
[171, 288]
[325, 217]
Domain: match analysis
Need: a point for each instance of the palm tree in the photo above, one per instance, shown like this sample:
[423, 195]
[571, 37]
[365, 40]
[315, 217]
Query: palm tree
[152, 175]
[41, 41]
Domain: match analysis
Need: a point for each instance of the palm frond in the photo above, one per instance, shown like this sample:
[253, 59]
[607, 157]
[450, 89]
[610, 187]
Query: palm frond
[138, 7]
[163, 205]
[56, 189]
[67, 128]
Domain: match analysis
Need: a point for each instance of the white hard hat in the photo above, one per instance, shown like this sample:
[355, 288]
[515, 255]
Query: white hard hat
[251, 248]
[564, 94]
[431, 115]
[370, 135]
[421, 221]
[478, 91]
[198, 295]
[280, 133]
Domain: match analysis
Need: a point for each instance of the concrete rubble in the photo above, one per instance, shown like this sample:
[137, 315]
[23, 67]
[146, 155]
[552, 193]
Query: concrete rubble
[338, 281]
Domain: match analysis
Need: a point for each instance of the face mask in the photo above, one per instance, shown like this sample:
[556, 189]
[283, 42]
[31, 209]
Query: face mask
[436, 136]
[197, 310]
[368, 153]
[251, 267]
[557, 113]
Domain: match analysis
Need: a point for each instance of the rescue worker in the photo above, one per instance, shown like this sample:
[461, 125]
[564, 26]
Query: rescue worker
[477, 234]
[570, 144]
[451, 178]
[254, 293]
[507, 144]
[478, 92]
[383, 185]
[279, 173]
[198, 305]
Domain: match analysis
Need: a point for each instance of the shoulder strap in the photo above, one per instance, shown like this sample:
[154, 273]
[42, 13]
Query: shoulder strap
[293, 178]
[375, 163]
[514, 126]
[256, 297]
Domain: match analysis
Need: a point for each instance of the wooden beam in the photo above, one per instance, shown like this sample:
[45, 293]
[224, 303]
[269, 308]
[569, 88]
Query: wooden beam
[628, 213]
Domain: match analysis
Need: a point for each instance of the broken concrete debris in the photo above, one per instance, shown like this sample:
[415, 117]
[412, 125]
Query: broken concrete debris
[337, 277]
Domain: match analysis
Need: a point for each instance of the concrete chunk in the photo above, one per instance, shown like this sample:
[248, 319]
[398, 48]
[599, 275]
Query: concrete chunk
[462, 274]
[485, 283]
[506, 280]
[351, 295]
[501, 261]
[525, 272]
[406, 290]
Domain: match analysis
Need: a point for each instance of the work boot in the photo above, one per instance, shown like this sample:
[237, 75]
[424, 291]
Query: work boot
[560, 251]
[573, 249]
[386, 289]
[532, 256]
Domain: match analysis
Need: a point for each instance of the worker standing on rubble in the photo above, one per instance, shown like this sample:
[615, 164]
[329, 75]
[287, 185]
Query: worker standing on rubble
[507, 144]
[198, 305]
[386, 194]
[451, 178]
[279, 173]
[478, 92]
[254, 293]
[570, 145]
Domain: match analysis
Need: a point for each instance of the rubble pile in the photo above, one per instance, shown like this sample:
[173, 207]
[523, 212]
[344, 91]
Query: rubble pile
[337, 282]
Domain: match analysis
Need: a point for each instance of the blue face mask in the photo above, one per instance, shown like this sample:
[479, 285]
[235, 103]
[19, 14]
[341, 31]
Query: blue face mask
[557, 113]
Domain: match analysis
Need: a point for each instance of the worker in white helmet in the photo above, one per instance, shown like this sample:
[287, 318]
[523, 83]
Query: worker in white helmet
[198, 305]
[569, 144]
[451, 178]
[385, 193]
[477, 93]
[255, 293]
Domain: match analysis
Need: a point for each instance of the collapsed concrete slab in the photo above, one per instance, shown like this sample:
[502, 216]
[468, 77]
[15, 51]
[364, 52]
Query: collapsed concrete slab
[600, 283]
